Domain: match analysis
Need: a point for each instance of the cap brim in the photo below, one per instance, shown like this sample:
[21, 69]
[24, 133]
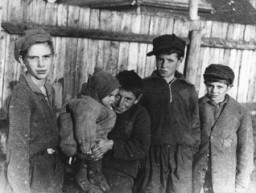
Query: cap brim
[153, 52]
[150, 53]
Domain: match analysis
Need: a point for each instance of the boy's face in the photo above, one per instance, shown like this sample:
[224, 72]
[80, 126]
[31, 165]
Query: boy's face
[167, 64]
[38, 60]
[124, 101]
[110, 99]
[216, 91]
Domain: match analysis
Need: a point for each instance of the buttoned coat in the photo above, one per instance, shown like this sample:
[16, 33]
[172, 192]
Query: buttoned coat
[33, 129]
[228, 143]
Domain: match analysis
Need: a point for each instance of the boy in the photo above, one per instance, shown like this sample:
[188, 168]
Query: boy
[224, 161]
[129, 140]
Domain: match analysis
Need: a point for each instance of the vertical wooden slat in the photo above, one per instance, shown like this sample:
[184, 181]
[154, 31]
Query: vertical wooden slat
[123, 53]
[243, 76]
[134, 47]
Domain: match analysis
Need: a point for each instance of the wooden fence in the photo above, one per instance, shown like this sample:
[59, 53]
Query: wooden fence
[122, 43]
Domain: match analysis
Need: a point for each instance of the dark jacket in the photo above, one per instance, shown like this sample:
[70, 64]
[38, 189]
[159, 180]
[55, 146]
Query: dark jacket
[228, 143]
[131, 136]
[33, 129]
[175, 117]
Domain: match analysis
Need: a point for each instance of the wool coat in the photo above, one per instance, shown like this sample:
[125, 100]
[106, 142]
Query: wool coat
[32, 130]
[228, 144]
[83, 121]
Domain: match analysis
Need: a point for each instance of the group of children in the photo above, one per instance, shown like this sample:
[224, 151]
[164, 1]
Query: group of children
[33, 162]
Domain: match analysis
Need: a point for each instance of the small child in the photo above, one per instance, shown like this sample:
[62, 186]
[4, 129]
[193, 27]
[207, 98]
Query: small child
[93, 118]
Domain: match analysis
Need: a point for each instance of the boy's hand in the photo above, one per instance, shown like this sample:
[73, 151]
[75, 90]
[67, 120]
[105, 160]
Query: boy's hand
[101, 147]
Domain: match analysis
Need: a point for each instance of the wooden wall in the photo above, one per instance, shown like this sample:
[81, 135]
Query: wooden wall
[77, 57]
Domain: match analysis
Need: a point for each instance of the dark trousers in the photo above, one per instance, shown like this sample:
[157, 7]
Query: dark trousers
[119, 183]
[168, 169]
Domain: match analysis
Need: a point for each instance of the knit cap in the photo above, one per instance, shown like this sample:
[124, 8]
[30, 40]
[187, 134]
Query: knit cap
[29, 38]
[215, 72]
[100, 84]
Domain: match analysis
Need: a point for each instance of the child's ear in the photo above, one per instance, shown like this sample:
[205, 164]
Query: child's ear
[138, 99]
[22, 61]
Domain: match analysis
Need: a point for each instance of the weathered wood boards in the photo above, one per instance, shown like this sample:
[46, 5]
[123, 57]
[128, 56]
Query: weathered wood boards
[116, 40]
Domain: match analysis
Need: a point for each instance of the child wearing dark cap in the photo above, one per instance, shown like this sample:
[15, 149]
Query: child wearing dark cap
[92, 118]
[224, 161]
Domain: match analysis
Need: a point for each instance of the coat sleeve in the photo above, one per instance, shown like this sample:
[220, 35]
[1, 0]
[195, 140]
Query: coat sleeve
[244, 153]
[195, 120]
[136, 147]
[85, 114]
[18, 145]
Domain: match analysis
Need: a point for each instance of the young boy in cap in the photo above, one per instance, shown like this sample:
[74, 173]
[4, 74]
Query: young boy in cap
[129, 140]
[33, 162]
[224, 161]
[92, 117]
[172, 104]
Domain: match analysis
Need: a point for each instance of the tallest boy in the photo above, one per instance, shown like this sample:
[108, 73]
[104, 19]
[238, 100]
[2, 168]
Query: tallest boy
[173, 107]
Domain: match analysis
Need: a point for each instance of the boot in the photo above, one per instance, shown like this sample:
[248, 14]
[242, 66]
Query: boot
[95, 175]
[82, 180]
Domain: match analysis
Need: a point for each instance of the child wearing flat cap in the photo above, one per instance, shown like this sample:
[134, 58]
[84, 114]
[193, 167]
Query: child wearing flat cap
[33, 161]
[224, 161]
[172, 104]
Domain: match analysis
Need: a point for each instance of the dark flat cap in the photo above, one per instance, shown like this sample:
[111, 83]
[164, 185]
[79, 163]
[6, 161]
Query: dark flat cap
[30, 37]
[218, 71]
[167, 42]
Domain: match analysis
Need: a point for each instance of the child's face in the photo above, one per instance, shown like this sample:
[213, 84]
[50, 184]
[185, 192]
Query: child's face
[38, 60]
[110, 99]
[124, 101]
[217, 91]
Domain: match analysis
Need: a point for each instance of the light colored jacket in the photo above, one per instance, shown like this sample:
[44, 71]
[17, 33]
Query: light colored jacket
[228, 143]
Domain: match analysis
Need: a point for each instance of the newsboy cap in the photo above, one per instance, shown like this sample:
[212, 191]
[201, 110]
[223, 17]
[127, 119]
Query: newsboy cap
[30, 37]
[215, 72]
[167, 42]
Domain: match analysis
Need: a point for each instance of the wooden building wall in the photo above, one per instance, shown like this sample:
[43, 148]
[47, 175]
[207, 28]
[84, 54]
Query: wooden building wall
[76, 57]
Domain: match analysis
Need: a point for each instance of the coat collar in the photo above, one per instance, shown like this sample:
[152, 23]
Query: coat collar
[26, 80]
[177, 75]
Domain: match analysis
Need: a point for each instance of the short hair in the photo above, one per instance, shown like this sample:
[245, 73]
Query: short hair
[169, 51]
[130, 81]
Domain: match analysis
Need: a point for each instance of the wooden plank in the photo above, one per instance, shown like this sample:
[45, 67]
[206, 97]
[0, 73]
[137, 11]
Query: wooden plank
[13, 9]
[4, 4]
[98, 3]
[193, 56]
[10, 66]
[251, 77]
[205, 63]
[18, 28]
[82, 63]
[235, 60]
[94, 19]
[243, 78]
[73, 16]
[92, 57]
[84, 17]
[3, 49]
[51, 14]
[70, 68]
[134, 47]
[59, 67]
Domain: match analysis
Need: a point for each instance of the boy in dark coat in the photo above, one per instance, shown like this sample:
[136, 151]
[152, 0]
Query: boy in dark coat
[224, 161]
[172, 104]
[128, 142]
